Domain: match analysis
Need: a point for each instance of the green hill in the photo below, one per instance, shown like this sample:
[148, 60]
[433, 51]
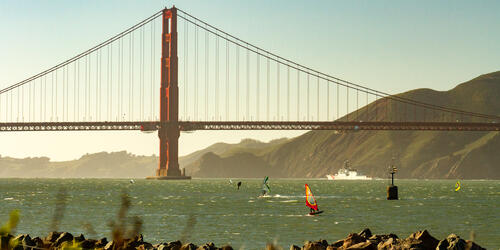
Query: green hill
[420, 154]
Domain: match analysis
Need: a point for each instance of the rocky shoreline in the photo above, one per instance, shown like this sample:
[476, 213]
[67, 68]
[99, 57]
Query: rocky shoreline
[363, 240]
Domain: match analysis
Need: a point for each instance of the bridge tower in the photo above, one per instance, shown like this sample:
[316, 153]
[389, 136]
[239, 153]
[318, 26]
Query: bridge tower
[169, 130]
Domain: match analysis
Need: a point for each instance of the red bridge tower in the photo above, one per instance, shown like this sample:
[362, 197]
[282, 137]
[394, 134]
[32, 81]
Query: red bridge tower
[169, 131]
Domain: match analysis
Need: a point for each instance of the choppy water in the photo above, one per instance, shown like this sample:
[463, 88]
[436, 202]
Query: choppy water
[222, 214]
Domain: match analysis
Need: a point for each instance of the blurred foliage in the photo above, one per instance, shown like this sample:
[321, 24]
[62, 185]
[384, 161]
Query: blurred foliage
[9, 227]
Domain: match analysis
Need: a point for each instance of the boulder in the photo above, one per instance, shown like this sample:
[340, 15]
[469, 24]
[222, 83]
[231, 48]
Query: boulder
[337, 244]
[377, 238]
[101, 243]
[79, 238]
[411, 243]
[452, 242]
[63, 237]
[367, 245]
[226, 247]
[110, 245]
[366, 233]
[38, 242]
[174, 245]
[24, 241]
[353, 239]
[189, 246]
[52, 237]
[88, 244]
[316, 245]
[294, 247]
[427, 240]
[134, 242]
[208, 246]
[145, 245]
[388, 244]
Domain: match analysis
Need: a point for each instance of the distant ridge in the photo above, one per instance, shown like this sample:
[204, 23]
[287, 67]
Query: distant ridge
[420, 154]
[429, 154]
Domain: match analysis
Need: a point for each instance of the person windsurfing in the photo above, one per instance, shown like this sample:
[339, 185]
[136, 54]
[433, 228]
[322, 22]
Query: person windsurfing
[311, 202]
[239, 184]
[265, 187]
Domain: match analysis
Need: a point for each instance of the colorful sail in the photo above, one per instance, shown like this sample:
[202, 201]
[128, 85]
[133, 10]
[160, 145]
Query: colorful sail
[457, 186]
[310, 200]
[265, 187]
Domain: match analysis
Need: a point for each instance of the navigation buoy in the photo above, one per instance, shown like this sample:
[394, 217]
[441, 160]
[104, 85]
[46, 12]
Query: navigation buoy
[392, 191]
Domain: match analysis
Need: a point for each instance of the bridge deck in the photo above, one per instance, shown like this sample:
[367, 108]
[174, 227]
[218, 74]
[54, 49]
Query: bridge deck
[237, 125]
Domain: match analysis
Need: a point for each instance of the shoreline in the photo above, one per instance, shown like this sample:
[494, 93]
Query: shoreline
[362, 240]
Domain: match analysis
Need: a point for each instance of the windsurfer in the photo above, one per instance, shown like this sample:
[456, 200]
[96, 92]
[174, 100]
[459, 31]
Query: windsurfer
[239, 184]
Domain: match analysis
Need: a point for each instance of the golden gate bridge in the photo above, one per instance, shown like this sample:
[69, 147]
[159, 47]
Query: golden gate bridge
[206, 79]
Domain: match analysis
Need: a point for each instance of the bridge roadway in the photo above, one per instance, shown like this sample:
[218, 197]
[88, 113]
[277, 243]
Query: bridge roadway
[249, 125]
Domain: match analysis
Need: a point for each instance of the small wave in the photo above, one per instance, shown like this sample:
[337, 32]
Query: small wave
[8, 199]
[288, 201]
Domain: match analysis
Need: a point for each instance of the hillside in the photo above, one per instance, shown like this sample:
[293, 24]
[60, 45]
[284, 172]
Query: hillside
[99, 165]
[420, 154]
[126, 165]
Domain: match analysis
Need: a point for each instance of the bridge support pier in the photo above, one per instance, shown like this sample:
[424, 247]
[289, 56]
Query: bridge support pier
[169, 131]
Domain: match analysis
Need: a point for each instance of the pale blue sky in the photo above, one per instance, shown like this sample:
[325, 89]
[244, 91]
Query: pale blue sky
[392, 46]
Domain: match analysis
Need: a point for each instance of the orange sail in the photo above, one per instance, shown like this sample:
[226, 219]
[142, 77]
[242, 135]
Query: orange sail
[310, 201]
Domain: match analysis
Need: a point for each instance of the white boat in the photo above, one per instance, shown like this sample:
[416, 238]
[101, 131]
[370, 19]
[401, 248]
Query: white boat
[346, 173]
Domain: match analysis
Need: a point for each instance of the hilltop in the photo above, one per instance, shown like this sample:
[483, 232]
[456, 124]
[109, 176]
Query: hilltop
[419, 154]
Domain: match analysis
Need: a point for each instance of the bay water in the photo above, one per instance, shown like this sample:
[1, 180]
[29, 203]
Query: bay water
[213, 210]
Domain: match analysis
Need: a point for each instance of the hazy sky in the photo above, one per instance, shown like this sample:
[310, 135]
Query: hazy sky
[392, 46]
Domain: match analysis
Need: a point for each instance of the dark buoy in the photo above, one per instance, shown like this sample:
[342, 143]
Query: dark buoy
[239, 184]
[392, 191]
